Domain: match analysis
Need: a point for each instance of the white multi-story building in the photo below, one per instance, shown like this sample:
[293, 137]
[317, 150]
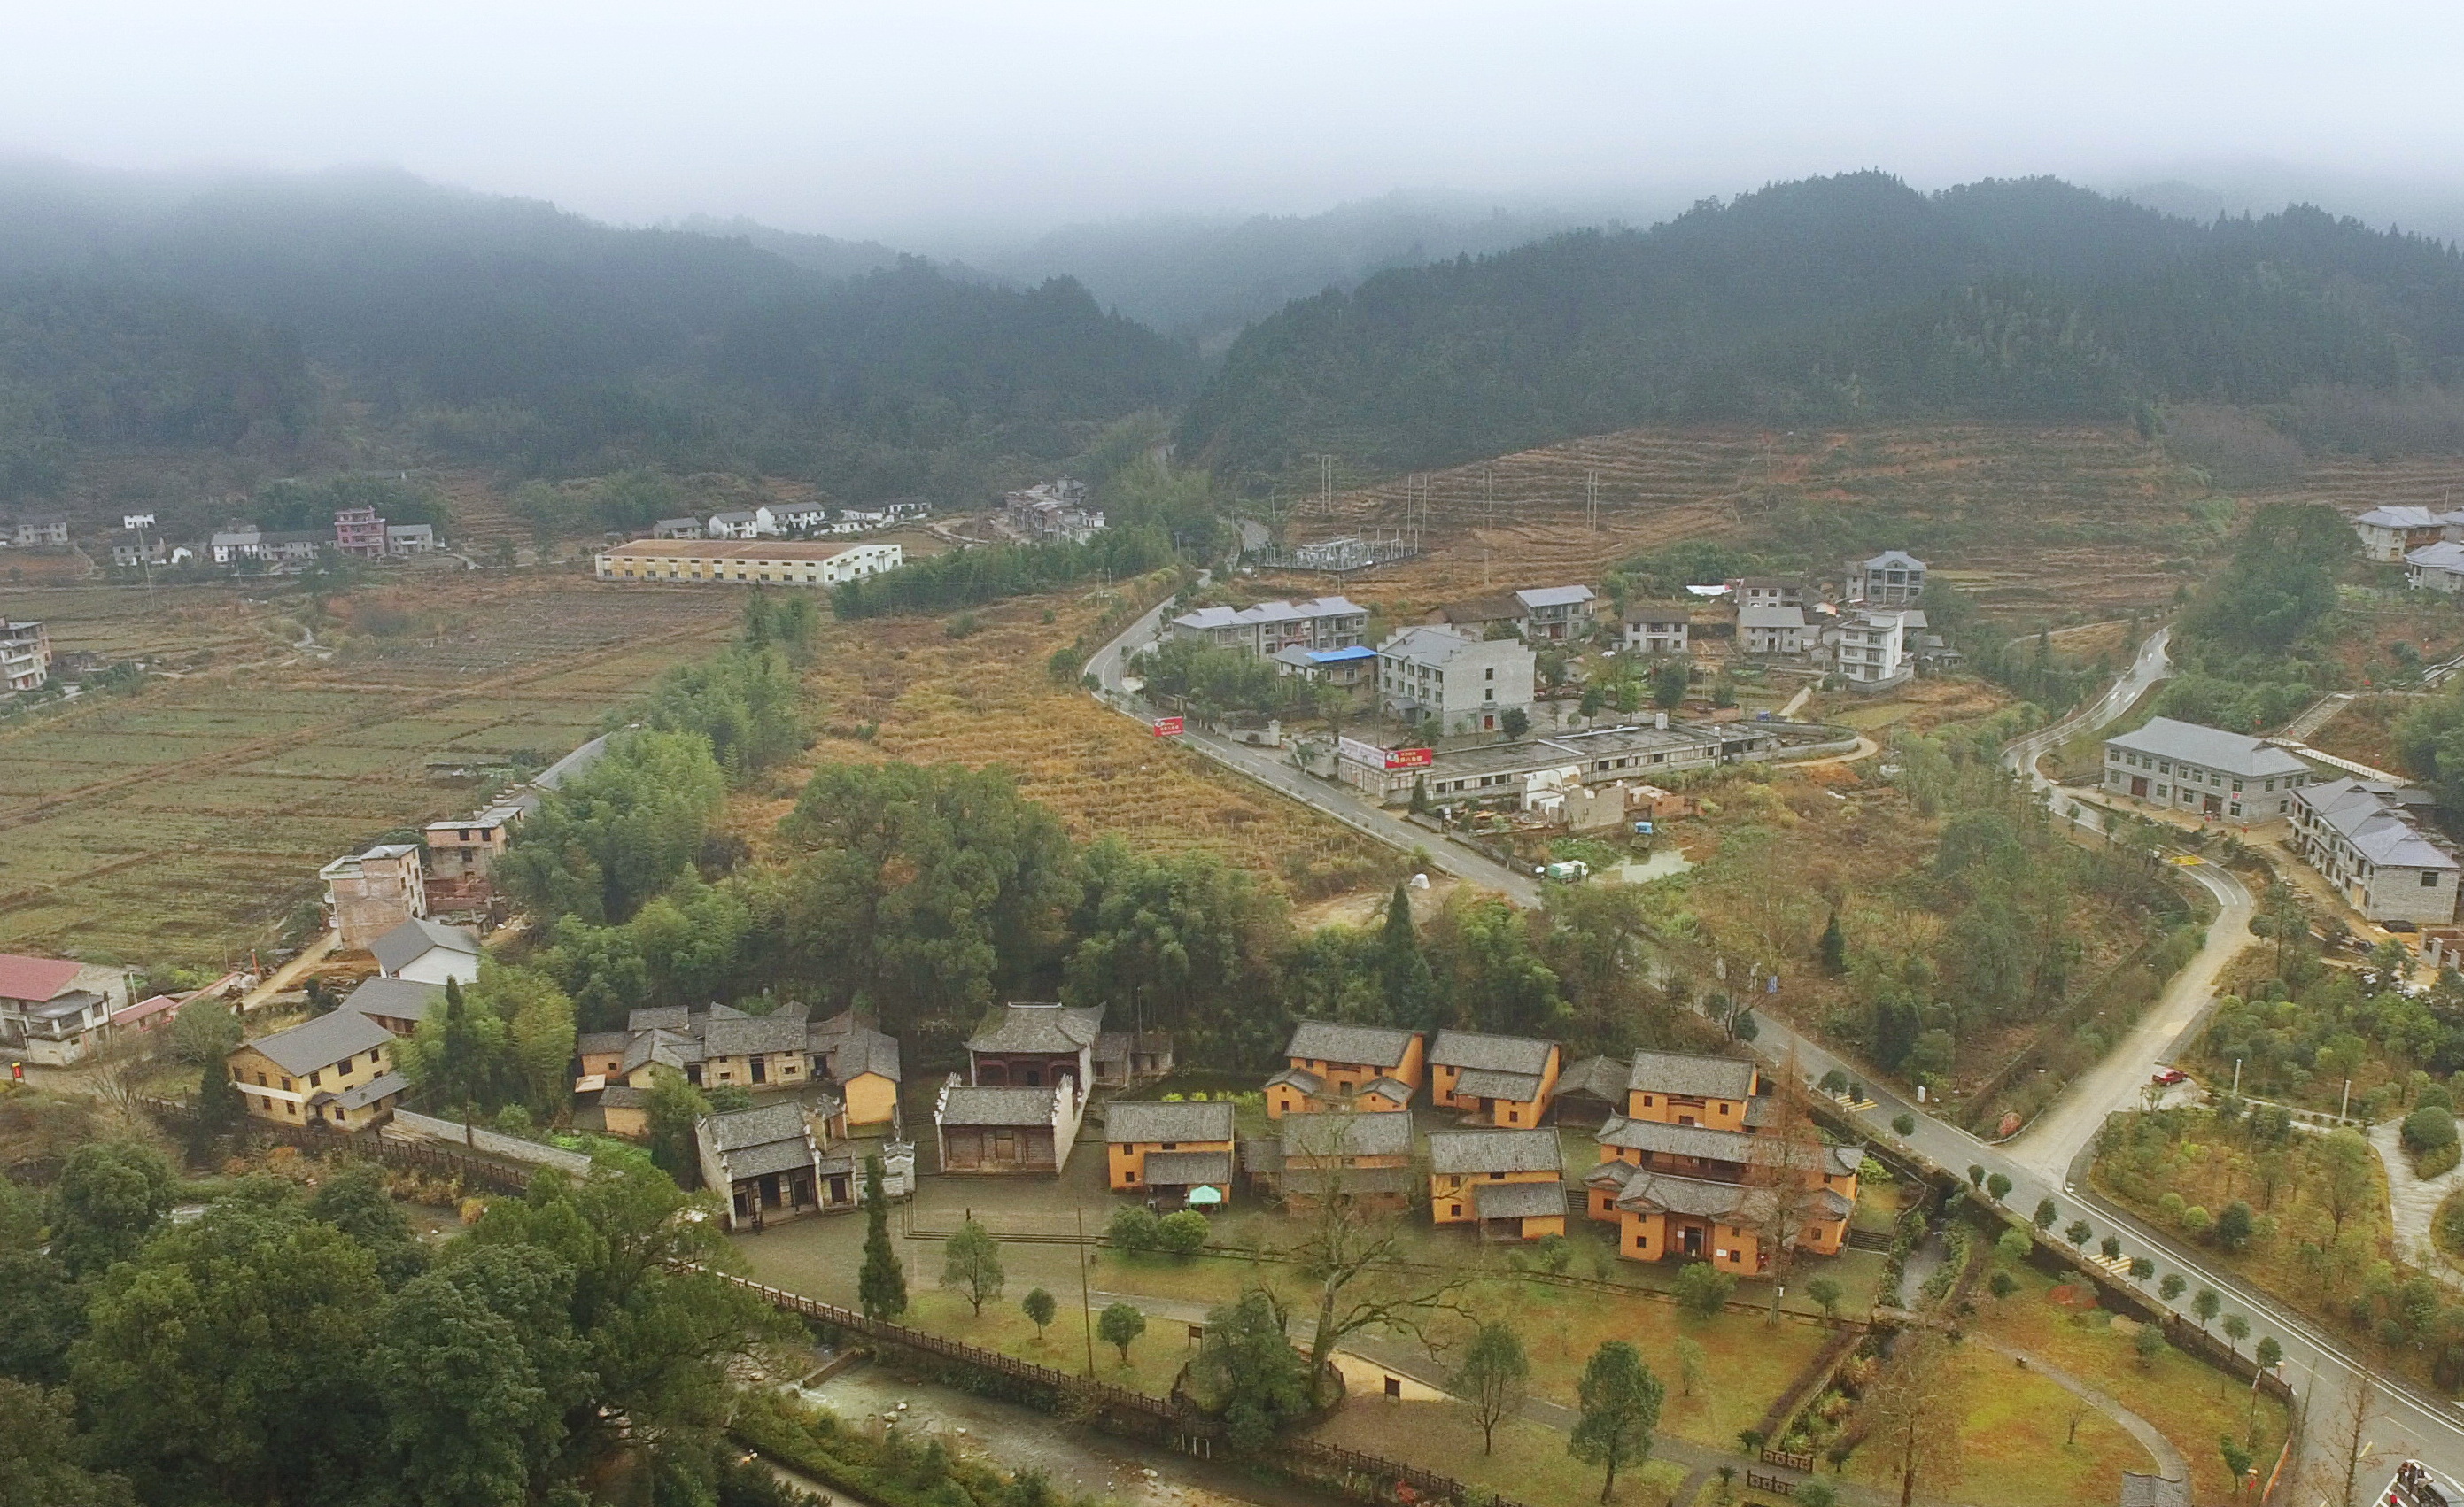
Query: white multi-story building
[1657, 630]
[1320, 623]
[2372, 840]
[1874, 650]
[1891, 579]
[2436, 567]
[25, 655]
[1458, 684]
[1771, 630]
[2389, 533]
[1553, 614]
[2205, 769]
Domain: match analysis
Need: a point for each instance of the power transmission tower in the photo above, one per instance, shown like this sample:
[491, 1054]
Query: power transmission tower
[1487, 500]
[1325, 484]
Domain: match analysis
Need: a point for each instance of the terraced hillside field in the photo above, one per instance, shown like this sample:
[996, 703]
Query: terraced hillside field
[904, 688]
[181, 822]
[2059, 523]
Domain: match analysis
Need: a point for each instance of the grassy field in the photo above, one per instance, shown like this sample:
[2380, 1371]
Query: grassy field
[2190, 1403]
[179, 822]
[2015, 1443]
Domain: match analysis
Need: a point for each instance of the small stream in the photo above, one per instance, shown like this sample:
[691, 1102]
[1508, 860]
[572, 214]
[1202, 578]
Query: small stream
[1081, 1462]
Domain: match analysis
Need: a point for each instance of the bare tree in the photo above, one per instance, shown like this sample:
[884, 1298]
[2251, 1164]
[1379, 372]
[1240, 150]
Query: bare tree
[1353, 1254]
[2345, 1455]
[1914, 1411]
[1786, 1173]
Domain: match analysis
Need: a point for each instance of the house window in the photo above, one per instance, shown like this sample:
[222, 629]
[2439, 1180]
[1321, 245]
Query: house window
[2428, 878]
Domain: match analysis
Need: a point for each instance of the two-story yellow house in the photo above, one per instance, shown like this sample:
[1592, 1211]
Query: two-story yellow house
[1365, 1159]
[1502, 1080]
[1511, 1183]
[1685, 1173]
[1340, 1067]
[1170, 1150]
[336, 1070]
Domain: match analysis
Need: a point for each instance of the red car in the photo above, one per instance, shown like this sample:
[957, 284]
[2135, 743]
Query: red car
[2170, 1075]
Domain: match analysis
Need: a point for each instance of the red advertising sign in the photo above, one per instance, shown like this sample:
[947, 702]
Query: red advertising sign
[1410, 759]
[1167, 726]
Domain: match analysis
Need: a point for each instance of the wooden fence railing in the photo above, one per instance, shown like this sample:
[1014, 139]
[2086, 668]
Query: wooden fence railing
[366, 1144]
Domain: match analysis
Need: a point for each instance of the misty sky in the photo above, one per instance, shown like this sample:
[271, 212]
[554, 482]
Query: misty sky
[903, 120]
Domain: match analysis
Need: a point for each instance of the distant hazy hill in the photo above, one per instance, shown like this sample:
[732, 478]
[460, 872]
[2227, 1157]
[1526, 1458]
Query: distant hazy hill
[1831, 300]
[1206, 278]
[193, 312]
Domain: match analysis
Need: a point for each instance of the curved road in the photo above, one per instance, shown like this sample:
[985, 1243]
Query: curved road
[2041, 1163]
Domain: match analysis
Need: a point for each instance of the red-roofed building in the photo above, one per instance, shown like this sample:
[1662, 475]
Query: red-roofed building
[54, 1010]
[149, 1015]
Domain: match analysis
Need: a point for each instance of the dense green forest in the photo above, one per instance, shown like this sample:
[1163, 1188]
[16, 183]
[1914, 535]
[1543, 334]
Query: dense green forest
[508, 331]
[1834, 299]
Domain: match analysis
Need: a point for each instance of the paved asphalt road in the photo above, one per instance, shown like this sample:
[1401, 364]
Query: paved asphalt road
[2049, 1160]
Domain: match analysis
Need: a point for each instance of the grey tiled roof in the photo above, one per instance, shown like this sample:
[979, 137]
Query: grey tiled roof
[1457, 1151]
[1481, 1083]
[1518, 1200]
[1370, 1133]
[1352, 1181]
[592, 1043]
[1139, 1120]
[997, 1106]
[1038, 1028]
[417, 937]
[659, 1018]
[1370, 1046]
[661, 1046]
[1187, 1169]
[321, 1043]
[1721, 1146]
[1300, 1077]
[854, 1048]
[1393, 1088]
[396, 998]
[363, 1095]
[2209, 748]
[782, 1030]
[738, 1129]
[1506, 1054]
[624, 1096]
[1601, 1077]
[769, 1156]
[1691, 1074]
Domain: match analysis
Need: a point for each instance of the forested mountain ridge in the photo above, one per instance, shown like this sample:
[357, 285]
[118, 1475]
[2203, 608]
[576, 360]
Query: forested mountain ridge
[1835, 299]
[509, 331]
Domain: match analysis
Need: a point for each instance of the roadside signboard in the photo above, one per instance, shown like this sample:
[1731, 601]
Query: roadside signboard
[1168, 727]
[1375, 757]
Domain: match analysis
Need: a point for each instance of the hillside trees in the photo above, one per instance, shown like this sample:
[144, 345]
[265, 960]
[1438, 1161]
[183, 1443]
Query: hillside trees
[618, 832]
[1166, 941]
[1837, 299]
[919, 888]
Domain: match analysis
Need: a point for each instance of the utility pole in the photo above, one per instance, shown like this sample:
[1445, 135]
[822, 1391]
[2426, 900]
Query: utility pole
[1487, 500]
[1086, 1297]
[1592, 499]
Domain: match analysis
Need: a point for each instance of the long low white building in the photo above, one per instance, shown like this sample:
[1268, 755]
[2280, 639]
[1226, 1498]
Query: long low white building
[778, 562]
[2203, 769]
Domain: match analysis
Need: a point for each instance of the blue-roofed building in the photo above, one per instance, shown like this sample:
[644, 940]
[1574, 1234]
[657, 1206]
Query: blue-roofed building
[1349, 665]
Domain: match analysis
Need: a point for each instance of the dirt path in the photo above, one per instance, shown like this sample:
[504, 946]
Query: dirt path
[290, 973]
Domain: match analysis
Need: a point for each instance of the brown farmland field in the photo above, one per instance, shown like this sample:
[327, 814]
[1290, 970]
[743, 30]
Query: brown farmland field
[904, 688]
[180, 822]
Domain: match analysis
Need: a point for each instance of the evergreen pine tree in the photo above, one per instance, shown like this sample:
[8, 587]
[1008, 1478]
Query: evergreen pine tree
[1403, 969]
[220, 1109]
[1833, 946]
[881, 1287]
